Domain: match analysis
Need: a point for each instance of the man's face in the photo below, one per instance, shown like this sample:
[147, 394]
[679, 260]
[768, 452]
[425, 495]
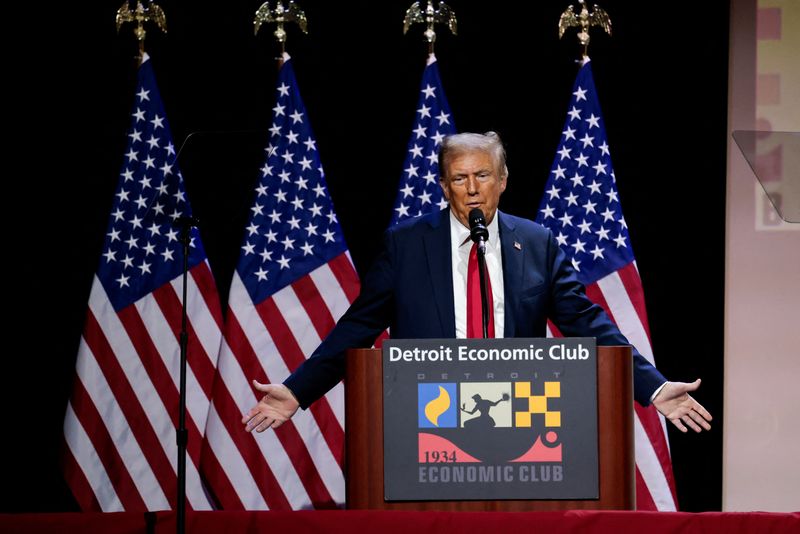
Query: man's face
[470, 181]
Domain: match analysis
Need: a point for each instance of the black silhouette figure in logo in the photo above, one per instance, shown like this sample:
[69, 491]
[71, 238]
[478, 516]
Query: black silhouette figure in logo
[482, 406]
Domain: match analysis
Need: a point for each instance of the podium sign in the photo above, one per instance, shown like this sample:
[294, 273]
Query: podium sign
[488, 419]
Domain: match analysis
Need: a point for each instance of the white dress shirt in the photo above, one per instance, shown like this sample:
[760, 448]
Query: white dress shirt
[460, 245]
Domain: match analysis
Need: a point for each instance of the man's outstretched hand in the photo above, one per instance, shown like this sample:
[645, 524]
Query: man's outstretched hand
[278, 406]
[675, 403]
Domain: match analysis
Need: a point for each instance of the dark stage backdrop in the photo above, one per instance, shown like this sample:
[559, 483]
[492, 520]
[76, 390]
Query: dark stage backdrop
[662, 83]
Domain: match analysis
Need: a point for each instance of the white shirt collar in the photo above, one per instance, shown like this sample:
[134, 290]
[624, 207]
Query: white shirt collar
[462, 232]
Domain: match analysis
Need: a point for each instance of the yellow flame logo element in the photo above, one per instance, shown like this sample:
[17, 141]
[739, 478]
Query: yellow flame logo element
[437, 406]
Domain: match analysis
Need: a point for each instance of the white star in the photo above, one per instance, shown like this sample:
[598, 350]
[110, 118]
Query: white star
[412, 170]
[574, 113]
[294, 222]
[145, 182]
[175, 215]
[622, 222]
[443, 118]
[136, 136]
[608, 215]
[429, 177]
[149, 248]
[144, 267]
[140, 202]
[288, 157]
[578, 245]
[433, 158]
[419, 131]
[575, 264]
[142, 94]
[407, 190]
[248, 248]
[402, 210]
[279, 110]
[316, 211]
[319, 190]
[296, 117]
[283, 89]
[582, 160]
[275, 216]
[437, 138]
[307, 249]
[416, 151]
[553, 192]
[442, 203]
[271, 236]
[599, 168]
[266, 255]
[284, 261]
[280, 195]
[572, 199]
[261, 190]
[604, 148]
[559, 172]
[430, 92]
[292, 137]
[180, 196]
[585, 227]
[577, 180]
[548, 212]
[310, 144]
[587, 140]
[564, 152]
[275, 129]
[128, 261]
[114, 234]
[597, 252]
[139, 114]
[110, 255]
[261, 274]
[136, 222]
[266, 170]
[594, 187]
[561, 238]
[593, 121]
[580, 94]
[298, 203]
[301, 183]
[252, 229]
[329, 236]
[132, 155]
[569, 133]
[620, 241]
[565, 219]
[153, 142]
[258, 209]
[158, 122]
[149, 162]
[425, 198]
[123, 280]
[128, 175]
[602, 233]
[167, 254]
[331, 217]
[287, 243]
[311, 229]
[424, 111]
[170, 149]
[119, 214]
[172, 235]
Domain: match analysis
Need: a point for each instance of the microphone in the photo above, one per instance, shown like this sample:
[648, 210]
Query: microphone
[477, 228]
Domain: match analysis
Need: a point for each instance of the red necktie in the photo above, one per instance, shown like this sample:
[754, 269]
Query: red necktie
[474, 315]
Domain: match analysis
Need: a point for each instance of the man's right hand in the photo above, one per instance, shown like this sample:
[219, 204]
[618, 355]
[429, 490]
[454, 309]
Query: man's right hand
[278, 406]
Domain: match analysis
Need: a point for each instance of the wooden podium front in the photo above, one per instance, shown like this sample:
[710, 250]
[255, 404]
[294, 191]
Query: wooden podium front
[364, 450]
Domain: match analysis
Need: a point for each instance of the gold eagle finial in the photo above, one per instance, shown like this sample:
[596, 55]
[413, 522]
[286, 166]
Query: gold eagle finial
[584, 20]
[279, 16]
[140, 15]
[443, 14]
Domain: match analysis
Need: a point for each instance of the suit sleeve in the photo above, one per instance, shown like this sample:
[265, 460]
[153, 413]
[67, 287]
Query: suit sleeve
[368, 316]
[575, 315]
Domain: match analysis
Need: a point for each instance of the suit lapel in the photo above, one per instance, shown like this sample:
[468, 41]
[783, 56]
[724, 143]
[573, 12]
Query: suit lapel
[513, 267]
[440, 268]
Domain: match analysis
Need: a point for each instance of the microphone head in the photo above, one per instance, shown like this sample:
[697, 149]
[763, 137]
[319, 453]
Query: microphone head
[476, 218]
[477, 226]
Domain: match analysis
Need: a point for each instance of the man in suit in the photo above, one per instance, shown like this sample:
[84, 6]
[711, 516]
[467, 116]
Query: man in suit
[419, 287]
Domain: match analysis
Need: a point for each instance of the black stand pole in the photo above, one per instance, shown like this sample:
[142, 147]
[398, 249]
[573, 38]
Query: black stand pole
[182, 435]
[484, 296]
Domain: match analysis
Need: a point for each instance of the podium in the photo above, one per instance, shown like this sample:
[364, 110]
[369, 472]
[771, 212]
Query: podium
[364, 448]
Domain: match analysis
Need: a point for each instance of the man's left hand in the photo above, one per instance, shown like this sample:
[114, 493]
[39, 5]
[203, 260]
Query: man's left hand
[675, 403]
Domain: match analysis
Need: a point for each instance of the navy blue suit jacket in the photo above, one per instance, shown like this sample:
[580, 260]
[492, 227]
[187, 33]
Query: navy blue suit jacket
[410, 289]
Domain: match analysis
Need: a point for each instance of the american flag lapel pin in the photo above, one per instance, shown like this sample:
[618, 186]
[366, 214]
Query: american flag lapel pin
[517, 245]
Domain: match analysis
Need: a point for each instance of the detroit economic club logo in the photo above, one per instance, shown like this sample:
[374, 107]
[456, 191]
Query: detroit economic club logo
[489, 432]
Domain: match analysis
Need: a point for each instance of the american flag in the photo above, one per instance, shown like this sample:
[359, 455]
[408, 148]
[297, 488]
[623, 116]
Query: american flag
[420, 192]
[121, 419]
[581, 206]
[294, 280]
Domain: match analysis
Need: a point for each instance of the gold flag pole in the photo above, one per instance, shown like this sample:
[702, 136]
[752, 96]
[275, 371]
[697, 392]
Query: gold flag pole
[443, 14]
[279, 16]
[140, 15]
[584, 20]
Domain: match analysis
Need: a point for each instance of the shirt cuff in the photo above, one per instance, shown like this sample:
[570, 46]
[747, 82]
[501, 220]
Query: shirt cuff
[657, 391]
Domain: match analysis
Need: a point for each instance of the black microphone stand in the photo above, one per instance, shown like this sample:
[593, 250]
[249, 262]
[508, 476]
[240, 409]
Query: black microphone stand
[182, 435]
[484, 295]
